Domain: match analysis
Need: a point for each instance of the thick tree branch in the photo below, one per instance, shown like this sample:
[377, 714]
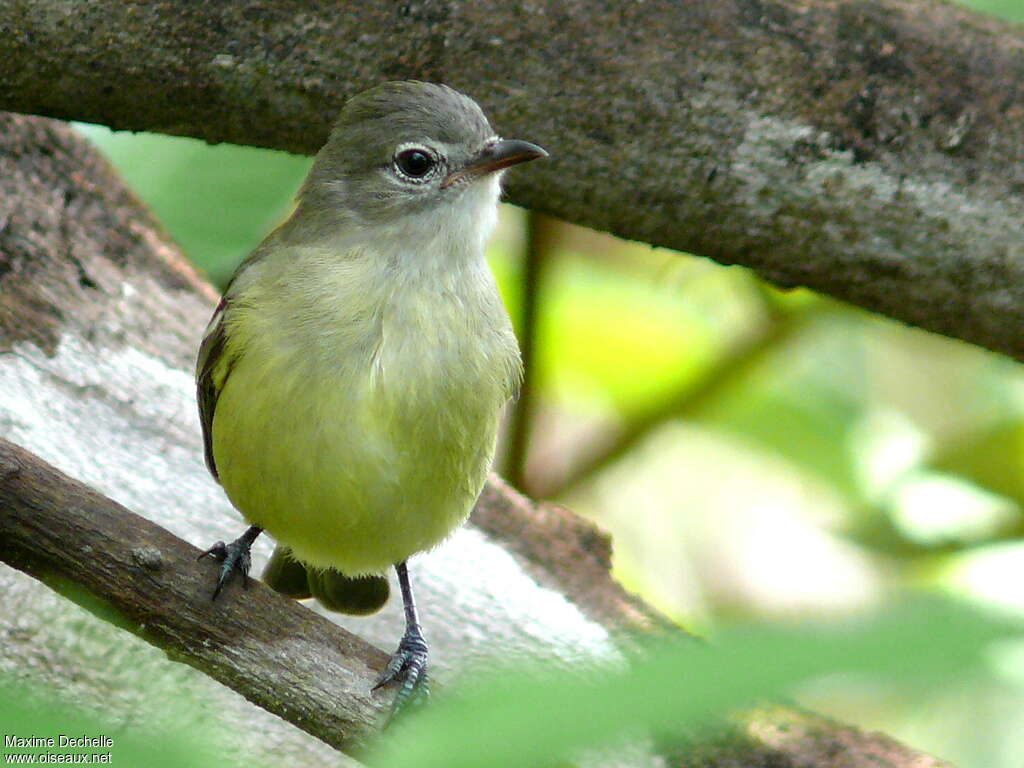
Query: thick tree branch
[868, 150]
[276, 653]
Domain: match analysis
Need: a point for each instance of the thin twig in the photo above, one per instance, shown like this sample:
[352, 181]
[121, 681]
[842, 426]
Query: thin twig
[747, 355]
[540, 236]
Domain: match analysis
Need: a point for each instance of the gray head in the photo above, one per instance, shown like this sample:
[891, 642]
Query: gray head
[405, 147]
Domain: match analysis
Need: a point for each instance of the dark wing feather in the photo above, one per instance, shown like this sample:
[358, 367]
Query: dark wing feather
[208, 386]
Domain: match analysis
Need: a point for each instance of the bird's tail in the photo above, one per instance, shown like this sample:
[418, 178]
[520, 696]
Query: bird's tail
[337, 592]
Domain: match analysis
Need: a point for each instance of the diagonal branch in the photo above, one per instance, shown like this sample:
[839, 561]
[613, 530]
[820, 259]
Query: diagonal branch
[276, 653]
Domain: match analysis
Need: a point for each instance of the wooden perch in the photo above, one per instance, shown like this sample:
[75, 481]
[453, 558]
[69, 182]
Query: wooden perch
[870, 150]
[99, 321]
[272, 650]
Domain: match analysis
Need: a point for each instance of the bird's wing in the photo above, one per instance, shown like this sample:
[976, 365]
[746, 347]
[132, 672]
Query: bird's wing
[212, 369]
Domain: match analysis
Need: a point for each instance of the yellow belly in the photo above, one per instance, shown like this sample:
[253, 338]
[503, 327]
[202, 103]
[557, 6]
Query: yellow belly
[354, 472]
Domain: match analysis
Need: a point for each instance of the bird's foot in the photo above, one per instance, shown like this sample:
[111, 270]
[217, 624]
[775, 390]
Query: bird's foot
[234, 558]
[408, 665]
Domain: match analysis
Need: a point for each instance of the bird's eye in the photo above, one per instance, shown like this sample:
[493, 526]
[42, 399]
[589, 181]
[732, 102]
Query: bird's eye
[414, 163]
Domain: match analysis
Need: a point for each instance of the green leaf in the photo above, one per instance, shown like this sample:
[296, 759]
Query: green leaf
[993, 458]
[1008, 9]
[26, 715]
[811, 428]
[537, 716]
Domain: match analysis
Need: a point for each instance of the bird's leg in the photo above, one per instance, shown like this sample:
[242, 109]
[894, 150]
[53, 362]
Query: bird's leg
[409, 662]
[234, 558]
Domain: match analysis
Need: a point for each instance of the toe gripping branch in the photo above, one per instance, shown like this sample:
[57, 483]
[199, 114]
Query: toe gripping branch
[408, 664]
[234, 558]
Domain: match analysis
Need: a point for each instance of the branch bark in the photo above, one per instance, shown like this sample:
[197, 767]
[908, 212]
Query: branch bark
[137, 575]
[868, 150]
[99, 320]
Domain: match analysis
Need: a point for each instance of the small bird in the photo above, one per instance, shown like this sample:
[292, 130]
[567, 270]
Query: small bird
[351, 380]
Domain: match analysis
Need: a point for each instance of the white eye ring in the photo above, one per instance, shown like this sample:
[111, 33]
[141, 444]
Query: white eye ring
[415, 163]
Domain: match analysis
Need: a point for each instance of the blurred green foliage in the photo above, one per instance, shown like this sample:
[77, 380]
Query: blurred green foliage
[1008, 9]
[26, 715]
[677, 690]
[674, 692]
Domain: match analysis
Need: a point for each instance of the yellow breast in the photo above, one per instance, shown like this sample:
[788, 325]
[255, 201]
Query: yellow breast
[361, 436]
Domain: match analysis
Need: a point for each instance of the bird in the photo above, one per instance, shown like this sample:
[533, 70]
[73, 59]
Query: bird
[351, 380]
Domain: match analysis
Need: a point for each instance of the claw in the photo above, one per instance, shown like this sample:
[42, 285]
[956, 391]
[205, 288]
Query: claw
[408, 665]
[234, 558]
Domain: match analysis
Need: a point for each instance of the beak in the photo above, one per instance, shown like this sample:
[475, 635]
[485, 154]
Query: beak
[496, 156]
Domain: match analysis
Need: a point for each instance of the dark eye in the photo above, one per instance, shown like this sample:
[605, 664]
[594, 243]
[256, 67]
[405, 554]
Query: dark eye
[414, 162]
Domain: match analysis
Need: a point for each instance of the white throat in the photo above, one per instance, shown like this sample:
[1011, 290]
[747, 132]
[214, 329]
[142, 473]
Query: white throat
[448, 238]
